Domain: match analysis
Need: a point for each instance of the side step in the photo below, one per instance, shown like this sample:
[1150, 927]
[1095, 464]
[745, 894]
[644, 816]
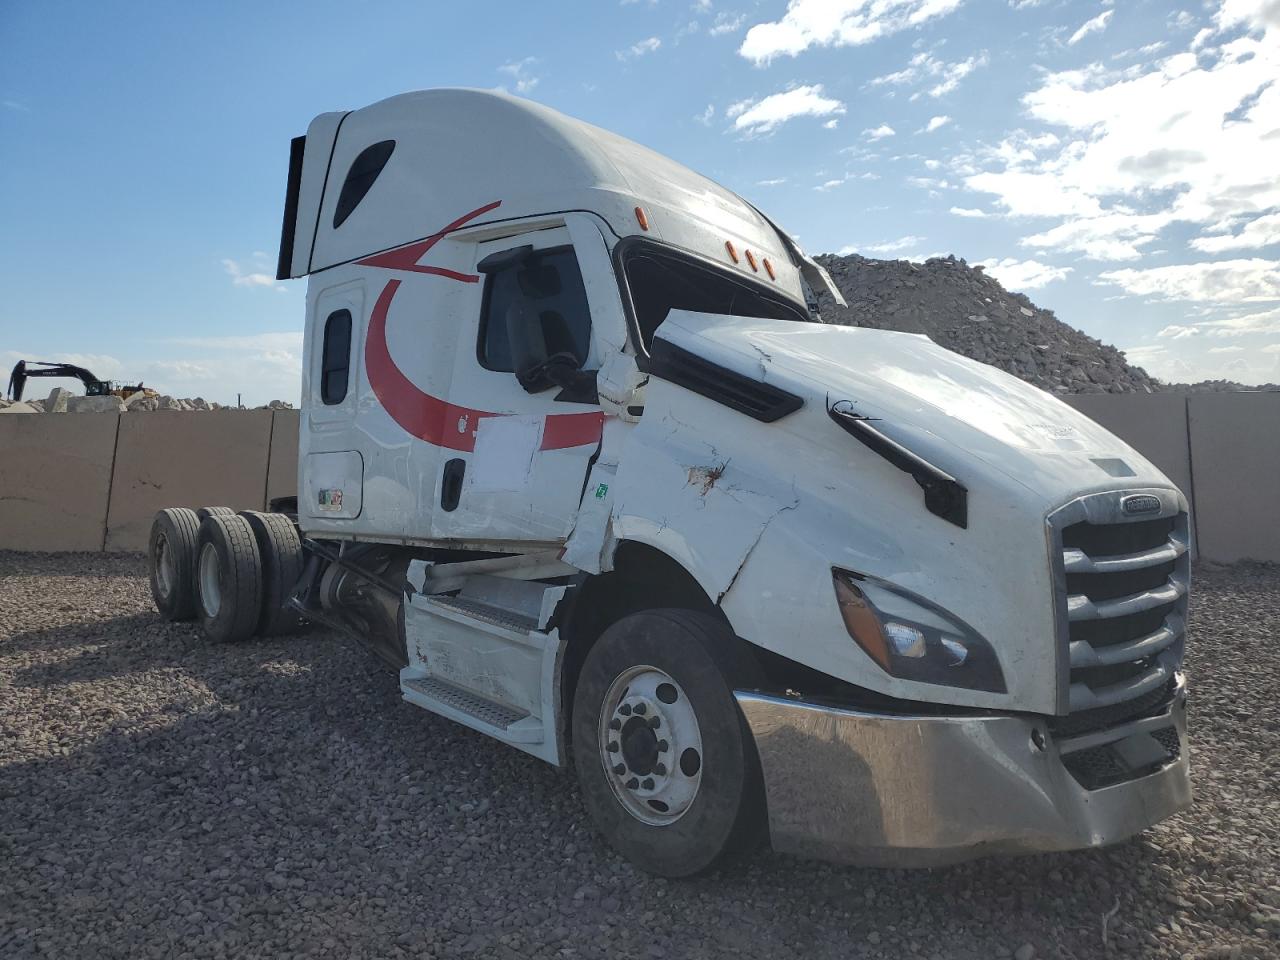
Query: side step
[484, 658]
[471, 709]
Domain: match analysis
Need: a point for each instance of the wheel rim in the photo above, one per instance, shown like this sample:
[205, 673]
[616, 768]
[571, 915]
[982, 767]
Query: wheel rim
[166, 566]
[651, 745]
[210, 586]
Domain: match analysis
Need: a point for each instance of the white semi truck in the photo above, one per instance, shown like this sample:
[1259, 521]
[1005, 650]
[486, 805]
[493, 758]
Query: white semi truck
[580, 460]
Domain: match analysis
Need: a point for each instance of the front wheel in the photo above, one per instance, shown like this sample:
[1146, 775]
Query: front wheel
[665, 761]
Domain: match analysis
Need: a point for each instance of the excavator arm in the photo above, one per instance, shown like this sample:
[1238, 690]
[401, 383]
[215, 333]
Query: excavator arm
[93, 387]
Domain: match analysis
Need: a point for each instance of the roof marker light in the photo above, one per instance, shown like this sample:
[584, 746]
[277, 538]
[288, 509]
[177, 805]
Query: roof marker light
[733, 254]
[768, 268]
[751, 259]
[642, 219]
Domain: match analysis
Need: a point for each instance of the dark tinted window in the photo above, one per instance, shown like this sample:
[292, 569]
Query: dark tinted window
[541, 299]
[364, 170]
[660, 282]
[335, 361]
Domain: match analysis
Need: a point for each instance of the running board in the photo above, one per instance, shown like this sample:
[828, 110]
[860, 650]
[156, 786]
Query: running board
[485, 659]
[472, 710]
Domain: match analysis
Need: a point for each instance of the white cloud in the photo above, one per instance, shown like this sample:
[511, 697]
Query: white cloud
[701, 6]
[1261, 232]
[753, 117]
[1261, 322]
[1221, 281]
[838, 23]
[1023, 274]
[15, 105]
[727, 23]
[970, 212]
[1226, 350]
[1096, 25]
[705, 116]
[893, 246]
[252, 274]
[646, 46]
[1187, 138]
[936, 123]
[924, 67]
[521, 74]
[879, 133]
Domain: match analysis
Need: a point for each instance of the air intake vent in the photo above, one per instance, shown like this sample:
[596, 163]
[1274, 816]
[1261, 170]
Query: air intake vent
[761, 401]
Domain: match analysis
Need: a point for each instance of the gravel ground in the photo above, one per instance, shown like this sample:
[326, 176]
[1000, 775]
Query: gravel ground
[160, 796]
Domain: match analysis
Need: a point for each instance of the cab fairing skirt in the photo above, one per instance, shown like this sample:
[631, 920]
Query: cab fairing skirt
[910, 790]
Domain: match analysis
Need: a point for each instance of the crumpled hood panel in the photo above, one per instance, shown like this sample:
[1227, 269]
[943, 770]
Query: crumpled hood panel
[943, 406]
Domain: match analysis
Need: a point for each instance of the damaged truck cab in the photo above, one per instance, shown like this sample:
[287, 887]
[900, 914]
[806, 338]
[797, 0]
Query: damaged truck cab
[579, 458]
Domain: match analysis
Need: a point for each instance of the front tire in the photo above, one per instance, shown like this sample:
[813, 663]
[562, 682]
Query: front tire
[665, 679]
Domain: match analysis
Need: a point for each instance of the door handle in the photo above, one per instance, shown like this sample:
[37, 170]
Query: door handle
[451, 484]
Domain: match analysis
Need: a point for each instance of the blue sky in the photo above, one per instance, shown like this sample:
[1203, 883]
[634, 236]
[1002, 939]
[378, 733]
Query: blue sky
[1117, 162]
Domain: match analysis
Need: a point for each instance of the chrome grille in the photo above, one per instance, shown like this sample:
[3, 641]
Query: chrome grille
[1122, 600]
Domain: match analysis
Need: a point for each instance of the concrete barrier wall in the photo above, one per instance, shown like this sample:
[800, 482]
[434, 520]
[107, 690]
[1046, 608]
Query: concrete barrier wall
[1235, 456]
[93, 481]
[55, 480]
[174, 459]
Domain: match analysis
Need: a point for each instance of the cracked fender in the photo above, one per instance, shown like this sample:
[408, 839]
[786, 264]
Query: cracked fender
[688, 485]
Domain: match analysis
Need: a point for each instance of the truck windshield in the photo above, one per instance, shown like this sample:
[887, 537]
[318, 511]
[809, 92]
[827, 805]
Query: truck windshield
[660, 282]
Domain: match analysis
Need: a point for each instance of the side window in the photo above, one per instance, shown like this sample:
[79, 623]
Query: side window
[335, 359]
[364, 170]
[542, 303]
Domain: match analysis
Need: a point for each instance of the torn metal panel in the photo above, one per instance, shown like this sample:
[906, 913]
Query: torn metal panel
[586, 543]
[676, 492]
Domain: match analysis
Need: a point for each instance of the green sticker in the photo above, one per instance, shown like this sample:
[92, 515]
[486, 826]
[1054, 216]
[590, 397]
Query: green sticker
[601, 491]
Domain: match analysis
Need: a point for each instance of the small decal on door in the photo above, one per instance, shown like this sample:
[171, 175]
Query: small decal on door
[602, 491]
[330, 500]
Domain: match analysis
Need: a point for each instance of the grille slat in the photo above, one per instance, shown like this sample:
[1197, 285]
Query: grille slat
[1122, 602]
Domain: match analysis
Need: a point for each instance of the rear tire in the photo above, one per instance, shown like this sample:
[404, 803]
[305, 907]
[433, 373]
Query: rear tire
[228, 579]
[172, 553]
[675, 798]
[214, 512]
[282, 563]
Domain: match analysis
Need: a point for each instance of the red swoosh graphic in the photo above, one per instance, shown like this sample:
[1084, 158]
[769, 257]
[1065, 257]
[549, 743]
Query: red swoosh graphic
[417, 412]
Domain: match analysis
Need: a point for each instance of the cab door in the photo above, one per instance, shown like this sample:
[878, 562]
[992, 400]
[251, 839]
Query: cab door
[519, 473]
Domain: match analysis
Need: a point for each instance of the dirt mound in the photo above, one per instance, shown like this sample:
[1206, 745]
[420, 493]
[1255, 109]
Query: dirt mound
[959, 307]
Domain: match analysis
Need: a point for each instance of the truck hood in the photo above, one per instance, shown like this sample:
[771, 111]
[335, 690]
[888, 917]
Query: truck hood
[944, 407]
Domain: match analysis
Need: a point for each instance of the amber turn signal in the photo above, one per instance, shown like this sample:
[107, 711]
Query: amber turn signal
[860, 620]
[768, 268]
[751, 259]
[733, 254]
[642, 219]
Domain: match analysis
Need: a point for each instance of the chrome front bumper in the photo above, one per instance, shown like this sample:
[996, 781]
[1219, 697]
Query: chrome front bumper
[911, 790]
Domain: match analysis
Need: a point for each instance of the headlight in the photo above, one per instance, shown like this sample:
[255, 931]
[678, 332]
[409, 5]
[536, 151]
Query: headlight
[913, 639]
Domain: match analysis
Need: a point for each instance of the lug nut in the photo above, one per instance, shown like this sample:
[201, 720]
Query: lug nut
[633, 783]
[660, 769]
[619, 769]
[648, 783]
[641, 709]
[612, 747]
[662, 746]
[615, 724]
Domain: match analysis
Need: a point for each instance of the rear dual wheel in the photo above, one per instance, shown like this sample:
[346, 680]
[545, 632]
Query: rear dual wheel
[233, 572]
[665, 761]
[228, 578]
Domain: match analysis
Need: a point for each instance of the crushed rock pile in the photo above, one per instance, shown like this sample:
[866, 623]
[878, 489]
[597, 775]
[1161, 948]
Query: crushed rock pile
[61, 400]
[961, 308]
